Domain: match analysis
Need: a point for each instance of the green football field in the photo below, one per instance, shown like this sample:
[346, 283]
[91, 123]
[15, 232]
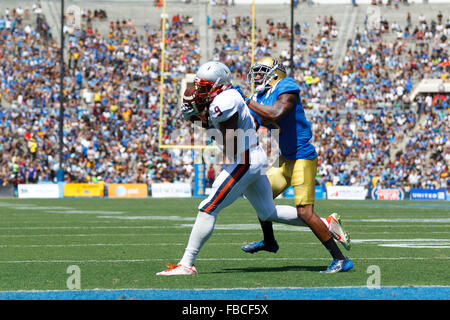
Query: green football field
[122, 243]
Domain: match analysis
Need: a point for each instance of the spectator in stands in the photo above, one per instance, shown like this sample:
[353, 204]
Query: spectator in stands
[112, 90]
[211, 176]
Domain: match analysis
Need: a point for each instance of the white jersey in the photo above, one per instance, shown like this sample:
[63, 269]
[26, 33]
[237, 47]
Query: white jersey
[223, 107]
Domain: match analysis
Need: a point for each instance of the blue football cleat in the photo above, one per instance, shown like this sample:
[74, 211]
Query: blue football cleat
[260, 245]
[339, 266]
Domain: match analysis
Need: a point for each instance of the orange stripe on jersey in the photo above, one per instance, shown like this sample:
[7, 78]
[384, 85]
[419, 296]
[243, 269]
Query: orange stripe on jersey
[225, 188]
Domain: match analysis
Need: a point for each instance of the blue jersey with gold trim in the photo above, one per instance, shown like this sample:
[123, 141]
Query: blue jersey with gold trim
[295, 129]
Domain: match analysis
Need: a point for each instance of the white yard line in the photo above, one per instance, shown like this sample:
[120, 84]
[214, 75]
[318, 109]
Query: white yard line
[215, 259]
[399, 243]
[86, 227]
[114, 234]
[362, 241]
[187, 233]
[436, 220]
[134, 244]
[218, 227]
[88, 245]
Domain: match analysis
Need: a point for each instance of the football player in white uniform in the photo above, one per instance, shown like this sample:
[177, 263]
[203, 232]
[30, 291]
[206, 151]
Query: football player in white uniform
[222, 107]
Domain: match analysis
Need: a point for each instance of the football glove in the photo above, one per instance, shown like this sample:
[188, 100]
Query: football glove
[188, 110]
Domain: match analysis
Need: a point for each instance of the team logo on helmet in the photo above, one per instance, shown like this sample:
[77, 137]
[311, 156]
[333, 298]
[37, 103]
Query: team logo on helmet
[265, 73]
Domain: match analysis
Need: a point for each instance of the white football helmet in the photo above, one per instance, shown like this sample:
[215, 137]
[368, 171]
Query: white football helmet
[211, 79]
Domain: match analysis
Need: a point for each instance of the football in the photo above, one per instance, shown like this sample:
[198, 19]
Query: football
[189, 95]
[189, 98]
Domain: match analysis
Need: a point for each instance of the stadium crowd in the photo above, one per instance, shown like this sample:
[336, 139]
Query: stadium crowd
[111, 114]
[112, 95]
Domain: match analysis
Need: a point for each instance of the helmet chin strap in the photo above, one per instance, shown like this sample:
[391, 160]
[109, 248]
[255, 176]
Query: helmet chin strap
[265, 85]
[260, 88]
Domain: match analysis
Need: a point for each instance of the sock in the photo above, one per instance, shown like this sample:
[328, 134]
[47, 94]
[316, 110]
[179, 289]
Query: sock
[267, 229]
[201, 231]
[333, 249]
[288, 215]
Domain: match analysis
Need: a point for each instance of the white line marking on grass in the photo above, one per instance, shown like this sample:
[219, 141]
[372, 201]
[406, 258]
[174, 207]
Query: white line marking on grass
[7, 204]
[251, 226]
[26, 206]
[88, 227]
[80, 235]
[55, 209]
[218, 232]
[214, 259]
[397, 240]
[134, 244]
[397, 232]
[21, 207]
[437, 220]
[169, 218]
[417, 246]
[90, 245]
[116, 234]
[88, 212]
[399, 243]
[13, 205]
[429, 225]
[408, 243]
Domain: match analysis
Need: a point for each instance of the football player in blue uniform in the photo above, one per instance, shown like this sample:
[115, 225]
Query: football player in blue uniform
[276, 104]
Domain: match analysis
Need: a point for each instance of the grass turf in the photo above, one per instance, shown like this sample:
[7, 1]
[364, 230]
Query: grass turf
[122, 243]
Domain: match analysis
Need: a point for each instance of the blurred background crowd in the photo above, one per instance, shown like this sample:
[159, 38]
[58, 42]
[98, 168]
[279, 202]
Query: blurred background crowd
[357, 94]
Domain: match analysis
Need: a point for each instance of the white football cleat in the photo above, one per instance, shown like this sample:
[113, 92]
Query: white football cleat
[177, 270]
[336, 230]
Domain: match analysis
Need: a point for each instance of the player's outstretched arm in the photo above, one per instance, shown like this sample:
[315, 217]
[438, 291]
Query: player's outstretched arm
[278, 110]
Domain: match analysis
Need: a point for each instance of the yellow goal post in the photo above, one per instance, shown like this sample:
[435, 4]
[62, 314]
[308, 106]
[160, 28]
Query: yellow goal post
[186, 81]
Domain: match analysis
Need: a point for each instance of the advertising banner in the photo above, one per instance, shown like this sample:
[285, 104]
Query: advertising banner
[171, 190]
[387, 194]
[199, 180]
[289, 193]
[319, 193]
[428, 194]
[84, 190]
[127, 190]
[346, 192]
[40, 190]
[6, 191]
